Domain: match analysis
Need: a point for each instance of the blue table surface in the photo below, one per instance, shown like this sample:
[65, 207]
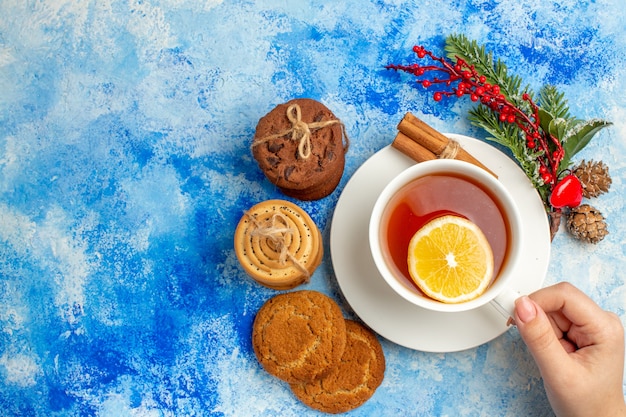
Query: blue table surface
[125, 166]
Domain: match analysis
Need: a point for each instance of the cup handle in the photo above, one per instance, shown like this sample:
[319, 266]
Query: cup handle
[505, 304]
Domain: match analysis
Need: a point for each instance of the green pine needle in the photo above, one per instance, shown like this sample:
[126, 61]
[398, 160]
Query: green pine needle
[554, 102]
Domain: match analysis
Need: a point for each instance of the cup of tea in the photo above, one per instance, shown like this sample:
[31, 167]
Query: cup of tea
[430, 190]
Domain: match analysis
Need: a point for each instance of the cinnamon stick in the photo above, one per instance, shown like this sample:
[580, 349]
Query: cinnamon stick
[412, 149]
[433, 140]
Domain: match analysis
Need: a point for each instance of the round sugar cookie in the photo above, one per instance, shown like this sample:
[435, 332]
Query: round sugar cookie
[353, 381]
[299, 336]
[278, 244]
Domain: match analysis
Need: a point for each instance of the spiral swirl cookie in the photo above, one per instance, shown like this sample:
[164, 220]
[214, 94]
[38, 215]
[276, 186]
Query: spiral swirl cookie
[278, 244]
[299, 336]
[353, 381]
[300, 146]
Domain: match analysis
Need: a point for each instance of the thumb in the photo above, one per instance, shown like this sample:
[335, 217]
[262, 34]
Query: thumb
[537, 332]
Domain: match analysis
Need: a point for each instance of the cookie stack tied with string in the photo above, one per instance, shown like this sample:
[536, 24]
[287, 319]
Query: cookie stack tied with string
[278, 244]
[300, 146]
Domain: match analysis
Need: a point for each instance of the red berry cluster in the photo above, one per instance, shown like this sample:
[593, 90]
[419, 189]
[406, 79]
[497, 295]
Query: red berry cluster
[461, 79]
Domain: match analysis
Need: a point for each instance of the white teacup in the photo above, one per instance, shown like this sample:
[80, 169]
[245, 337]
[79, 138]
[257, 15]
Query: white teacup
[499, 291]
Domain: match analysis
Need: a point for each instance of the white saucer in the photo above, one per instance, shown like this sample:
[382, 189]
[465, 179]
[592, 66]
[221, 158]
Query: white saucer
[378, 305]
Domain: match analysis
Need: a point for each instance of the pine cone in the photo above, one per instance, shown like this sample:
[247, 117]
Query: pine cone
[594, 177]
[586, 223]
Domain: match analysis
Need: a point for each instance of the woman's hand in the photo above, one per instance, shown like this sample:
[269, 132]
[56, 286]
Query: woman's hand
[579, 349]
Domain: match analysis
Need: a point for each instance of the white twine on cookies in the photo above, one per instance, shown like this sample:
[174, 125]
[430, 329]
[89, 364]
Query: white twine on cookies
[301, 131]
[276, 230]
[451, 150]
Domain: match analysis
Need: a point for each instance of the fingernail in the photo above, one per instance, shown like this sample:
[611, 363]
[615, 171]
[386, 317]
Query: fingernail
[526, 310]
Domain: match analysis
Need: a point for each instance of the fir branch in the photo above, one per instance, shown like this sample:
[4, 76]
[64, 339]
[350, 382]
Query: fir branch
[508, 135]
[554, 102]
[460, 46]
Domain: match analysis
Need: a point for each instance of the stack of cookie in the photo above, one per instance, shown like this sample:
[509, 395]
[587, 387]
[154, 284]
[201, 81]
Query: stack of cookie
[300, 146]
[331, 364]
[278, 244]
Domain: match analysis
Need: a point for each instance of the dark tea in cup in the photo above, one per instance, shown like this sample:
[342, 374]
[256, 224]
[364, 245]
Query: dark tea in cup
[431, 190]
[432, 196]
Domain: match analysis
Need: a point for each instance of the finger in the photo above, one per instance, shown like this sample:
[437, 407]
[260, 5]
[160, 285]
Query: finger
[560, 323]
[561, 327]
[568, 346]
[539, 335]
[573, 304]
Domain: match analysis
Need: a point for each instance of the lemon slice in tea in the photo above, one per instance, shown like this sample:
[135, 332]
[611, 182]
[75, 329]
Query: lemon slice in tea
[450, 259]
